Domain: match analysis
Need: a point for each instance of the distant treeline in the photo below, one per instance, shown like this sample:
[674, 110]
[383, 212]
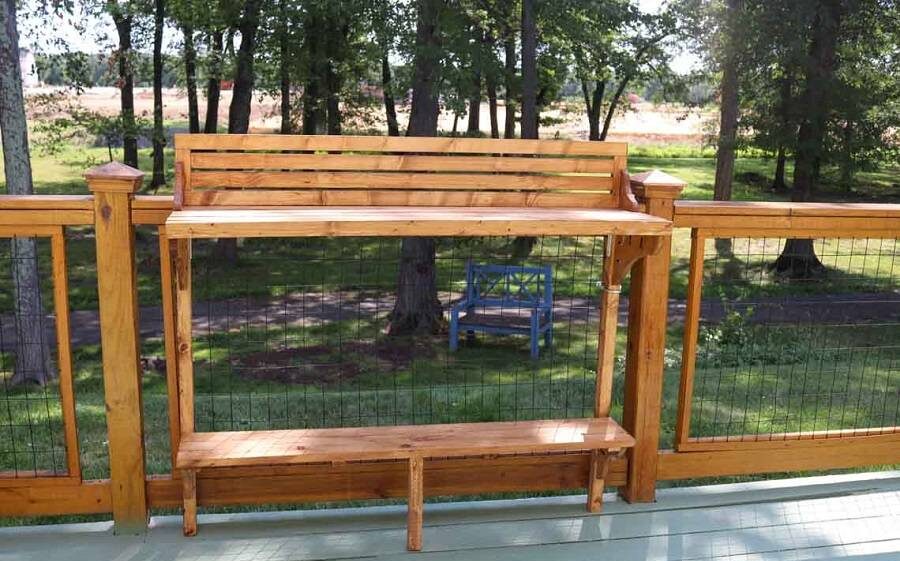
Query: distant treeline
[99, 70]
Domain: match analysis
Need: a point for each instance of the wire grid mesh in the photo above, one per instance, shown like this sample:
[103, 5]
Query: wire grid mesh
[798, 344]
[32, 437]
[294, 334]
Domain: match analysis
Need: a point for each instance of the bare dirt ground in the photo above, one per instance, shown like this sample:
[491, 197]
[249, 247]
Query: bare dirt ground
[642, 123]
[312, 309]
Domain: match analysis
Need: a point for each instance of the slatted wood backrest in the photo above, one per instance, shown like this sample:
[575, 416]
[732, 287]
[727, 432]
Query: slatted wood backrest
[294, 170]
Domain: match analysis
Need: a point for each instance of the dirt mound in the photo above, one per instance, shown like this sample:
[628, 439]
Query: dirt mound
[331, 365]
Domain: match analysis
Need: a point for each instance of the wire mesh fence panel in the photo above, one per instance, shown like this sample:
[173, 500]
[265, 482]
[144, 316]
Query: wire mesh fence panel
[32, 435]
[798, 336]
[302, 332]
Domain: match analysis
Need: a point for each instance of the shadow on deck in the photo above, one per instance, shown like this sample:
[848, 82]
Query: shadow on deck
[854, 516]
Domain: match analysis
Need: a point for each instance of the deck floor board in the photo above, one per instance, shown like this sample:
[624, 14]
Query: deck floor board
[853, 517]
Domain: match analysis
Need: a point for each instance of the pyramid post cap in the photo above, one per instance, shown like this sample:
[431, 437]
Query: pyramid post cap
[657, 184]
[656, 177]
[114, 177]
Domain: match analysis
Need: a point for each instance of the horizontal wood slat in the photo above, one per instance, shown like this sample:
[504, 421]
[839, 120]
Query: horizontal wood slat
[366, 169]
[91, 497]
[790, 440]
[800, 455]
[379, 480]
[399, 180]
[387, 198]
[765, 208]
[281, 447]
[409, 221]
[397, 144]
[387, 162]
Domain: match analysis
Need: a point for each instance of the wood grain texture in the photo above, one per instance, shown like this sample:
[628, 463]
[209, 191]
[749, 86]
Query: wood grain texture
[685, 209]
[167, 288]
[799, 440]
[415, 504]
[184, 354]
[279, 447]
[644, 365]
[189, 498]
[606, 349]
[394, 163]
[403, 221]
[332, 180]
[64, 351]
[240, 142]
[689, 339]
[600, 461]
[816, 454]
[117, 290]
[384, 171]
[393, 198]
[38, 499]
[380, 480]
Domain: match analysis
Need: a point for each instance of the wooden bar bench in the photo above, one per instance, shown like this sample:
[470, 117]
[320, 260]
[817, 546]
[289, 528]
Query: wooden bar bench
[413, 444]
[287, 186]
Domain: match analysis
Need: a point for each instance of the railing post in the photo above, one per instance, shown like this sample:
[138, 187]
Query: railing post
[113, 186]
[647, 314]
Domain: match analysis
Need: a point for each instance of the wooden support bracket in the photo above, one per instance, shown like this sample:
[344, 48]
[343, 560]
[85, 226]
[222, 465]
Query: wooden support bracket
[623, 252]
[627, 200]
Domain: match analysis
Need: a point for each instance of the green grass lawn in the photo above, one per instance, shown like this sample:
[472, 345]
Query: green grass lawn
[751, 377]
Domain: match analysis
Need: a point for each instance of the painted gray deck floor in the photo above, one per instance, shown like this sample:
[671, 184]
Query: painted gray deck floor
[854, 517]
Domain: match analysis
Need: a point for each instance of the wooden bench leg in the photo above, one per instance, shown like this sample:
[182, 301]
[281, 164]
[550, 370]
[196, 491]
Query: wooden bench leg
[189, 496]
[415, 504]
[597, 481]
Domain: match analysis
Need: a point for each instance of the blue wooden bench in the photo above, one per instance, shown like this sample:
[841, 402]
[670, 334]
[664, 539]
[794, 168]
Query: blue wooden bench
[505, 299]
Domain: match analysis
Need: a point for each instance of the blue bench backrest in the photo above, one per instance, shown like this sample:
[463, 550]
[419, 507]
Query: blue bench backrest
[509, 286]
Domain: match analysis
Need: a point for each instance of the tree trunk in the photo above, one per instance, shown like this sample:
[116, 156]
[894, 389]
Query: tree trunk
[522, 245]
[242, 94]
[593, 102]
[848, 168]
[333, 104]
[473, 126]
[241, 97]
[159, 134]
[779, 183]
[491, 86]
[126, 87]
[312, 106]
[214, 84]
[509, 77]
[284, 70]
[798, 260]
[728, 116]
[418, 309]
[785, 133]
[314, 90]
[613, 105]
[423, 116]
[190, 73]
[529, 71]
[390, 110]
[32, 351]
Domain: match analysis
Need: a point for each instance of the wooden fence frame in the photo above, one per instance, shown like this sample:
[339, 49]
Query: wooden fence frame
[770, 220]
[130, 498]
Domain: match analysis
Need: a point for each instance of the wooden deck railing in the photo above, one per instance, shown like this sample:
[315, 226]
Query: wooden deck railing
[129, 493]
